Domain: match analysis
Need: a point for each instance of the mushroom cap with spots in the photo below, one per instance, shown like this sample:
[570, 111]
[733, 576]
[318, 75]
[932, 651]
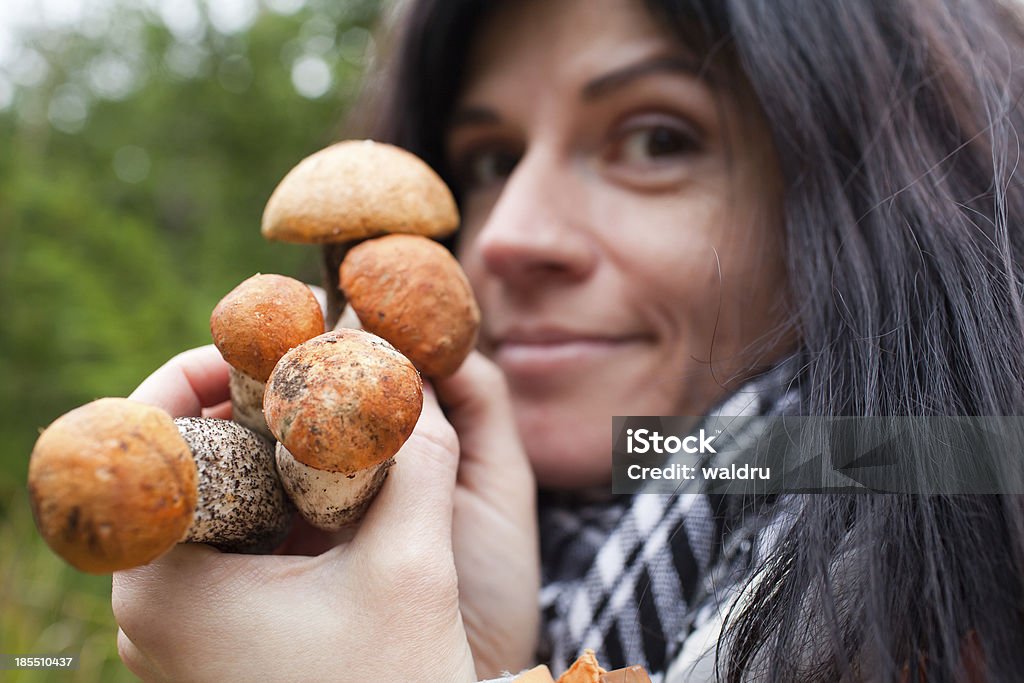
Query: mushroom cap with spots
[112, 484]
[344, 401]
[357, 189]
[411, 291]
[258, 321]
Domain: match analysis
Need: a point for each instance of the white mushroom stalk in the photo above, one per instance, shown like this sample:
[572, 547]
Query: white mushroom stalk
[247, 401]
[329, 500]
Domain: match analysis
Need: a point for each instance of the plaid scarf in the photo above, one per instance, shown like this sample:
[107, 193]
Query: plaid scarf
[625, 575]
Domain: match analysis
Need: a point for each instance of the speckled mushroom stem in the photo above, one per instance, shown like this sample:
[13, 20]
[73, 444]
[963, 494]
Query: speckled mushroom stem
[241, 506]
[330, 500]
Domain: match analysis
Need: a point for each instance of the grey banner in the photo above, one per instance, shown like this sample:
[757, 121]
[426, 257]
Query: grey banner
[775, 455]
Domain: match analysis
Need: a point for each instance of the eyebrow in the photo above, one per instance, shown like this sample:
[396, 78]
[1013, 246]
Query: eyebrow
[614, 80]
[598, 87]
[468, 116]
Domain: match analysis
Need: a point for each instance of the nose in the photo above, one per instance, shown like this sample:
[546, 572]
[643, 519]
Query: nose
[535, 234]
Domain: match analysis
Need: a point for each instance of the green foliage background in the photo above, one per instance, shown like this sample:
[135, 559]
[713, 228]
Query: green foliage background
[119, 232]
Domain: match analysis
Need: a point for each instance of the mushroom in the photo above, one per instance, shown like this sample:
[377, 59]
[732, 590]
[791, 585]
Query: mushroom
[242, 506]
[252, 327]
[353, 190]
[341, 405]
[114, 484]
[412, 292]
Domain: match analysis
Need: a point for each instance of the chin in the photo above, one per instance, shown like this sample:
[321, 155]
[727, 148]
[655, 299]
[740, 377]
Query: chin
[564, 453]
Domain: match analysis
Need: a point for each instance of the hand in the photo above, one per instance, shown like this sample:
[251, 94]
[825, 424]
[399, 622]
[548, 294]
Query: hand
[383, 607]
[494, 530]
[495, 523]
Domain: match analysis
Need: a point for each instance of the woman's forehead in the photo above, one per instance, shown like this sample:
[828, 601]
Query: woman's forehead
[566, 43]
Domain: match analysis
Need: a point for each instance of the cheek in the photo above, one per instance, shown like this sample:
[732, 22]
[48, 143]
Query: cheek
[708, 274]
[670, 264]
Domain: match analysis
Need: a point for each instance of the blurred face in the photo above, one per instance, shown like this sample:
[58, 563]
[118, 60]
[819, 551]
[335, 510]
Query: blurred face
[620, 225]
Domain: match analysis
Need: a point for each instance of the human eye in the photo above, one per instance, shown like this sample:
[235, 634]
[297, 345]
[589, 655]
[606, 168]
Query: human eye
[483, 167]
[651, 148]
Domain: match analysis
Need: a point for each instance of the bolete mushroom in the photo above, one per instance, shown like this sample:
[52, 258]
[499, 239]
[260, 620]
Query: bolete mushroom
[341, 405]
[255, 324]
[114, 484]
[353, 190]
[411, 291]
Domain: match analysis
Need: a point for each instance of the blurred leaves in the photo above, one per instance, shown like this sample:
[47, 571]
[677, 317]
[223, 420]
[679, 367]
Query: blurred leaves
[136, 154]
[132, 180]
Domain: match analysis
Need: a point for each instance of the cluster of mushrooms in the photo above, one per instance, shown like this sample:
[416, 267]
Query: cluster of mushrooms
[319, 409]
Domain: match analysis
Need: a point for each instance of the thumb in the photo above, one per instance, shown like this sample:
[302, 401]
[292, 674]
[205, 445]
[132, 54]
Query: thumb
[477, 401]
[183, 386]
[476, 398]
[415, 503]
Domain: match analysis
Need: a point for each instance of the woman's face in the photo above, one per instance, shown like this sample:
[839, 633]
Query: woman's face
[620, 225]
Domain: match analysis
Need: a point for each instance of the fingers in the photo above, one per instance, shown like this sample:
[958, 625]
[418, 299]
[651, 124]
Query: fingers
[475, 393]
[221, 411]
[194, 569]
[415, 504]
[188, 595]
[147, 601]
[181, 614]
[477, 402]
[134, 660]
[187, 383]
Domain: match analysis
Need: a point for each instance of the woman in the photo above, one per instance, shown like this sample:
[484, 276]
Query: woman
[670, 208]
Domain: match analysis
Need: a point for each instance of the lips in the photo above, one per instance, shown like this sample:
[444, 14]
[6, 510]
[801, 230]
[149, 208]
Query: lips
[534, 353]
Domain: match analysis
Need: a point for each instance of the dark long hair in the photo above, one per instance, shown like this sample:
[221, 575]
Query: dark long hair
[895, 123]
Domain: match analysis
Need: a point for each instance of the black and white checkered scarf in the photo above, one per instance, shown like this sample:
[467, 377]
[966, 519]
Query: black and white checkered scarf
[624, 575]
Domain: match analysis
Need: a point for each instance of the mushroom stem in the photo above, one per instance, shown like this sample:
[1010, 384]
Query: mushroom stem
[330, 500]
[333, 255]
[242, 506]
[348, 320]
[247, 401]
